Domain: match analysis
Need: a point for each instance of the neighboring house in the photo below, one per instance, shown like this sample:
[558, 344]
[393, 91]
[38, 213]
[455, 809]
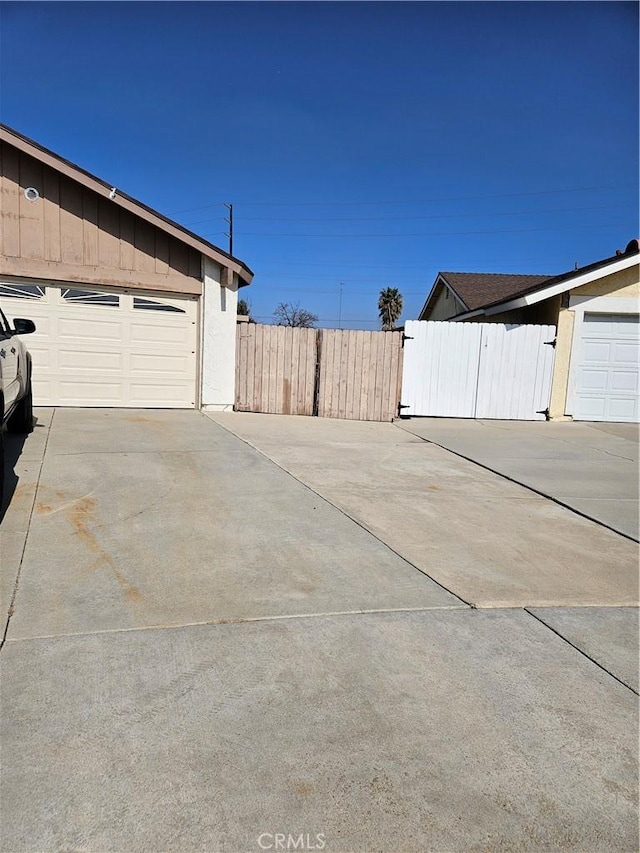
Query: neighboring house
[455, 292]
[131, 309]
[596, 311]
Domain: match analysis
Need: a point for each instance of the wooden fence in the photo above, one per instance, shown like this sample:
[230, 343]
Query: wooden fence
[332, 373]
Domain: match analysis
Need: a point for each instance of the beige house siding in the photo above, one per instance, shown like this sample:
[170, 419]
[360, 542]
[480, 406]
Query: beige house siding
[623, 284]
[564, 340]
[70, 233]
[444, 306]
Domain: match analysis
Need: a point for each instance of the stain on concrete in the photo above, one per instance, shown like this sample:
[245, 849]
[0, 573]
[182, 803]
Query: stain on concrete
[302, 789]
[80, 513]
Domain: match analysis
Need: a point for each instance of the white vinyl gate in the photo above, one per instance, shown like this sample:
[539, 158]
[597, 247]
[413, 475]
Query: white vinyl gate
[477, 370]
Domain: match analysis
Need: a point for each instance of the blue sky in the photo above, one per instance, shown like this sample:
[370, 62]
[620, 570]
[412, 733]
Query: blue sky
[372, 144]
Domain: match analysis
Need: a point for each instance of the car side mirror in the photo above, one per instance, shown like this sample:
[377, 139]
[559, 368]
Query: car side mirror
[23, 327]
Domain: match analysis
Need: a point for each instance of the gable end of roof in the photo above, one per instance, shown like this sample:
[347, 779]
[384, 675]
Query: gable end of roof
[132, 205]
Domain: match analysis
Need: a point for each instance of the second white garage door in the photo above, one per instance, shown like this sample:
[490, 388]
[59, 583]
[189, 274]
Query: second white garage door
[99, 348]
[608, 365]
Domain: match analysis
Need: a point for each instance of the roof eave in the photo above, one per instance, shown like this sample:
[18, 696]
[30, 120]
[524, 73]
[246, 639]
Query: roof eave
[569, 282]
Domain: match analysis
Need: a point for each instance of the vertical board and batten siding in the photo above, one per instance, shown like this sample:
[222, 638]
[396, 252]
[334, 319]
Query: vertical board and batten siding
[477, 370]
[360, 374]
[275, 369]
[71, 234]
[333, 373]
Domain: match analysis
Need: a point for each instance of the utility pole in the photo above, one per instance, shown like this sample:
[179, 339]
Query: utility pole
[340, 306]
[229, 220]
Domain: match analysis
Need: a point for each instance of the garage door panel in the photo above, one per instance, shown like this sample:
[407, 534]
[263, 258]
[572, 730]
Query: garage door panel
[622, 409]
[159, 334]
[626, 353]
[39, 355]
[89, 353]
[158, 364]
[94, 390]
[594, 380]
[97, 361]
[624, 380]
[596, 351]
[88, 330]
[163, 394]
[607, 376]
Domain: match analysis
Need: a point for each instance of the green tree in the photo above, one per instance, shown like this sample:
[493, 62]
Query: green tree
[389, 307]
[244, 309]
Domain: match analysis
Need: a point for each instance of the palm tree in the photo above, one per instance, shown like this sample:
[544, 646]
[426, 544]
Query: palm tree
[389, 307]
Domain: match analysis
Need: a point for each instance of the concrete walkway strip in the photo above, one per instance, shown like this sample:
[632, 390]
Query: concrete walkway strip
[454, 730]
[490, 541]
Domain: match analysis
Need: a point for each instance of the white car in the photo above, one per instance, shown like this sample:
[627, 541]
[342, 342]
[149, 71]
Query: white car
[16, 401]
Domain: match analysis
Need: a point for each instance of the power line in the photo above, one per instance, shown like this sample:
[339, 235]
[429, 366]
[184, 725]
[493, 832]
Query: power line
[432, 216]
[417, 201]
[411, 218]
[433, 233]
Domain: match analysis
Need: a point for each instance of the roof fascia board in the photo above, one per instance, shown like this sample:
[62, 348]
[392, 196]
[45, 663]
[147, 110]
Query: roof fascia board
[573, 281]
[454, 291]
[126, 202]
[469, 314]
[430, 295]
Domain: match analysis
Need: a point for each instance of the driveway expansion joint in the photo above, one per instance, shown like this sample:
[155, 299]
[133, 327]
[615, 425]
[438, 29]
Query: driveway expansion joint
[581, 651]
[14, 594]
[523, 485]
[244, 620]
[346, 515]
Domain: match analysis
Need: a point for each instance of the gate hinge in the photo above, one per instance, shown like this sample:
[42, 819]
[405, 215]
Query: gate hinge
[402, 406]
[406, 338]
[544, 412]
[550, 343]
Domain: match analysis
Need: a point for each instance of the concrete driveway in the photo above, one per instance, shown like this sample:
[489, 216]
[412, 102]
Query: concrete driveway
[213, 646]
[591, 468]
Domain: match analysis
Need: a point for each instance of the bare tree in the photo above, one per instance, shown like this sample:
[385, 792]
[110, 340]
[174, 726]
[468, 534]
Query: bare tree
[288, 314]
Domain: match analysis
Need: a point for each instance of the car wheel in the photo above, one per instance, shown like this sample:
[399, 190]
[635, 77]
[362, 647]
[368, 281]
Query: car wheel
[22, 418]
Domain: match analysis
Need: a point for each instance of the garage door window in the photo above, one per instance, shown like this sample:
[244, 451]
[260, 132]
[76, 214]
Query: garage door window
[153, 305]
[90, 297]
[22, 291]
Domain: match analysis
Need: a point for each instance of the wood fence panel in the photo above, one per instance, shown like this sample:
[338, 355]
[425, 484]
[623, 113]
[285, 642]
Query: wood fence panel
[275, 369]
[360, 375]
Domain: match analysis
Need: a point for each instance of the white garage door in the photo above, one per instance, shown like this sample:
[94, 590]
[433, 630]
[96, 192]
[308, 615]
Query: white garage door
[99, 348]
[607, 373]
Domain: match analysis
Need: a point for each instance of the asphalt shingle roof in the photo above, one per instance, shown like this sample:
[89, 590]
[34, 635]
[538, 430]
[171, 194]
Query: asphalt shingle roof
[477, 289]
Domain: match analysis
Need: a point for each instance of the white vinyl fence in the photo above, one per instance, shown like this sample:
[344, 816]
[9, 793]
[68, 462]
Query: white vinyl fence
[477, 370]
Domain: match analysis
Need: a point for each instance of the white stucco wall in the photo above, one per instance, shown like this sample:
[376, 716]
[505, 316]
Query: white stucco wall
[219, 312]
